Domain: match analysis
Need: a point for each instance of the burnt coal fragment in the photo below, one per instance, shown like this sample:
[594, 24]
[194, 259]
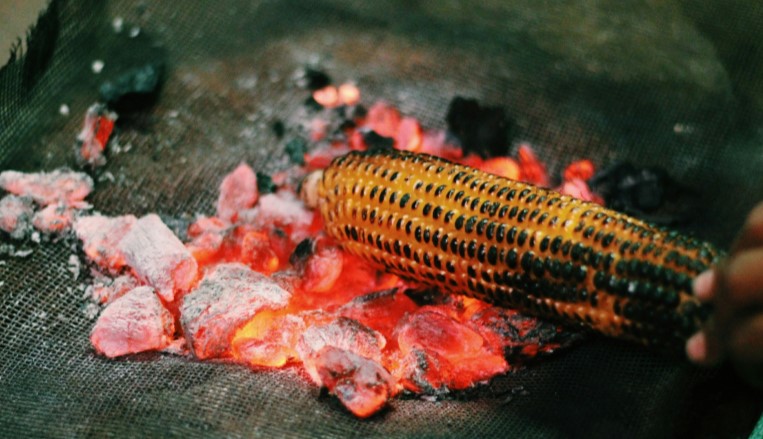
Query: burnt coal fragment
[296, 149]
[312, 79]
[423, 297]
[481, 130]
[302, 251]
[265, 184]
[133, 89]
[374, 141]
[279, 129]
[646, 192]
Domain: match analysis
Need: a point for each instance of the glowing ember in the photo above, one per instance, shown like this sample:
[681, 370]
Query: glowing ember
[362, 385]
[238, 191]
[327, 96]
[158, 258]
[15, 215]
[460, 355]
[262, 285]
[135, 322]
[53, 218]
[100, 238]
[96, 130]
[61, 186]
[225, 300]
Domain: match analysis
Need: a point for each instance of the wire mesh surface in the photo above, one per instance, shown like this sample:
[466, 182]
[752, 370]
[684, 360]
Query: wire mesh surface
[649, 82]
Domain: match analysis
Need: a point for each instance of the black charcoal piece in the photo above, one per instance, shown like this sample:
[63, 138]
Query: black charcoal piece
[646, 192]
[279, 129]
[296, 149]
[482, 130]
[302, 251]
[374, 141]
[314, 79]
[265, 184]
[133, 89]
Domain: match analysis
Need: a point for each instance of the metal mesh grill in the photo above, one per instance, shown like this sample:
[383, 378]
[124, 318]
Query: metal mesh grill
[608, 80]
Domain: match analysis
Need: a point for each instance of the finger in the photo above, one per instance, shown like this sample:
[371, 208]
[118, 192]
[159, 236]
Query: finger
[742, 279]
[752, 231]
[704, 349]
[704, 285]
[696, 348]
[746, 341]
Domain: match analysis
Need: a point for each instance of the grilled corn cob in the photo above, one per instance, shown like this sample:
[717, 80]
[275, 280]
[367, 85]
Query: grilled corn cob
[468, 232]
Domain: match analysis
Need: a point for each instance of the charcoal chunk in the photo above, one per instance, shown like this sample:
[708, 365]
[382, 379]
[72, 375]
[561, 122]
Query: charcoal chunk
[133, 89]
[375, 141]
[313, 79]
[480, 129]
[135, 322]
[646, 192]
[224, 301]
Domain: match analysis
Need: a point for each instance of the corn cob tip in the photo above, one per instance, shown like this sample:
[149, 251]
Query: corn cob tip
[308, 189]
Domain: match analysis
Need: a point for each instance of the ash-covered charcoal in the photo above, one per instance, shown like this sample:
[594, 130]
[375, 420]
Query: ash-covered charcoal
[265, 184]
[135, 322]
[295, 149]
[342, 333]
[375, 141]
[106, 290]
[322, 269]
[647, 192]
[281, 209]
[362, 385]
[16, 215]
[224, 301]
[257, 252]
[207, 235]
[439, 336]
[158, 257]
[95, 134]
[100, 236]
[238, 191]
[59, 186]
[313, 79]
[133, 89]
[480, 129]
[54, 218]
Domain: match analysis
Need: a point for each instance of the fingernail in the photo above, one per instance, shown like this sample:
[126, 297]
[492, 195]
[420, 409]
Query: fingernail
[696, 348]
[703, 285]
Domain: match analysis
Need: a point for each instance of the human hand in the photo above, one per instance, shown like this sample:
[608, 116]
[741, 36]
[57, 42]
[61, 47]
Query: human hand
[735, 288]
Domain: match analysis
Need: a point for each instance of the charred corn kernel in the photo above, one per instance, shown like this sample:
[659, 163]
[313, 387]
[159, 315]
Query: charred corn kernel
[468, 232]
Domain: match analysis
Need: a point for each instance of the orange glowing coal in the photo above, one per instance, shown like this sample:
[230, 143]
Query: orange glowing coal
[274, 291]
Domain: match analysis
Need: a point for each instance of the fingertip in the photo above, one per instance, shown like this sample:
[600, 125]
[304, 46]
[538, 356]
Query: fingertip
[703, 285]
[696, 348]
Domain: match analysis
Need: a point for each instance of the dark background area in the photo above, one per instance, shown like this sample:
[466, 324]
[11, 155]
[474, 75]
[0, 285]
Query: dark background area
[669, 83]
